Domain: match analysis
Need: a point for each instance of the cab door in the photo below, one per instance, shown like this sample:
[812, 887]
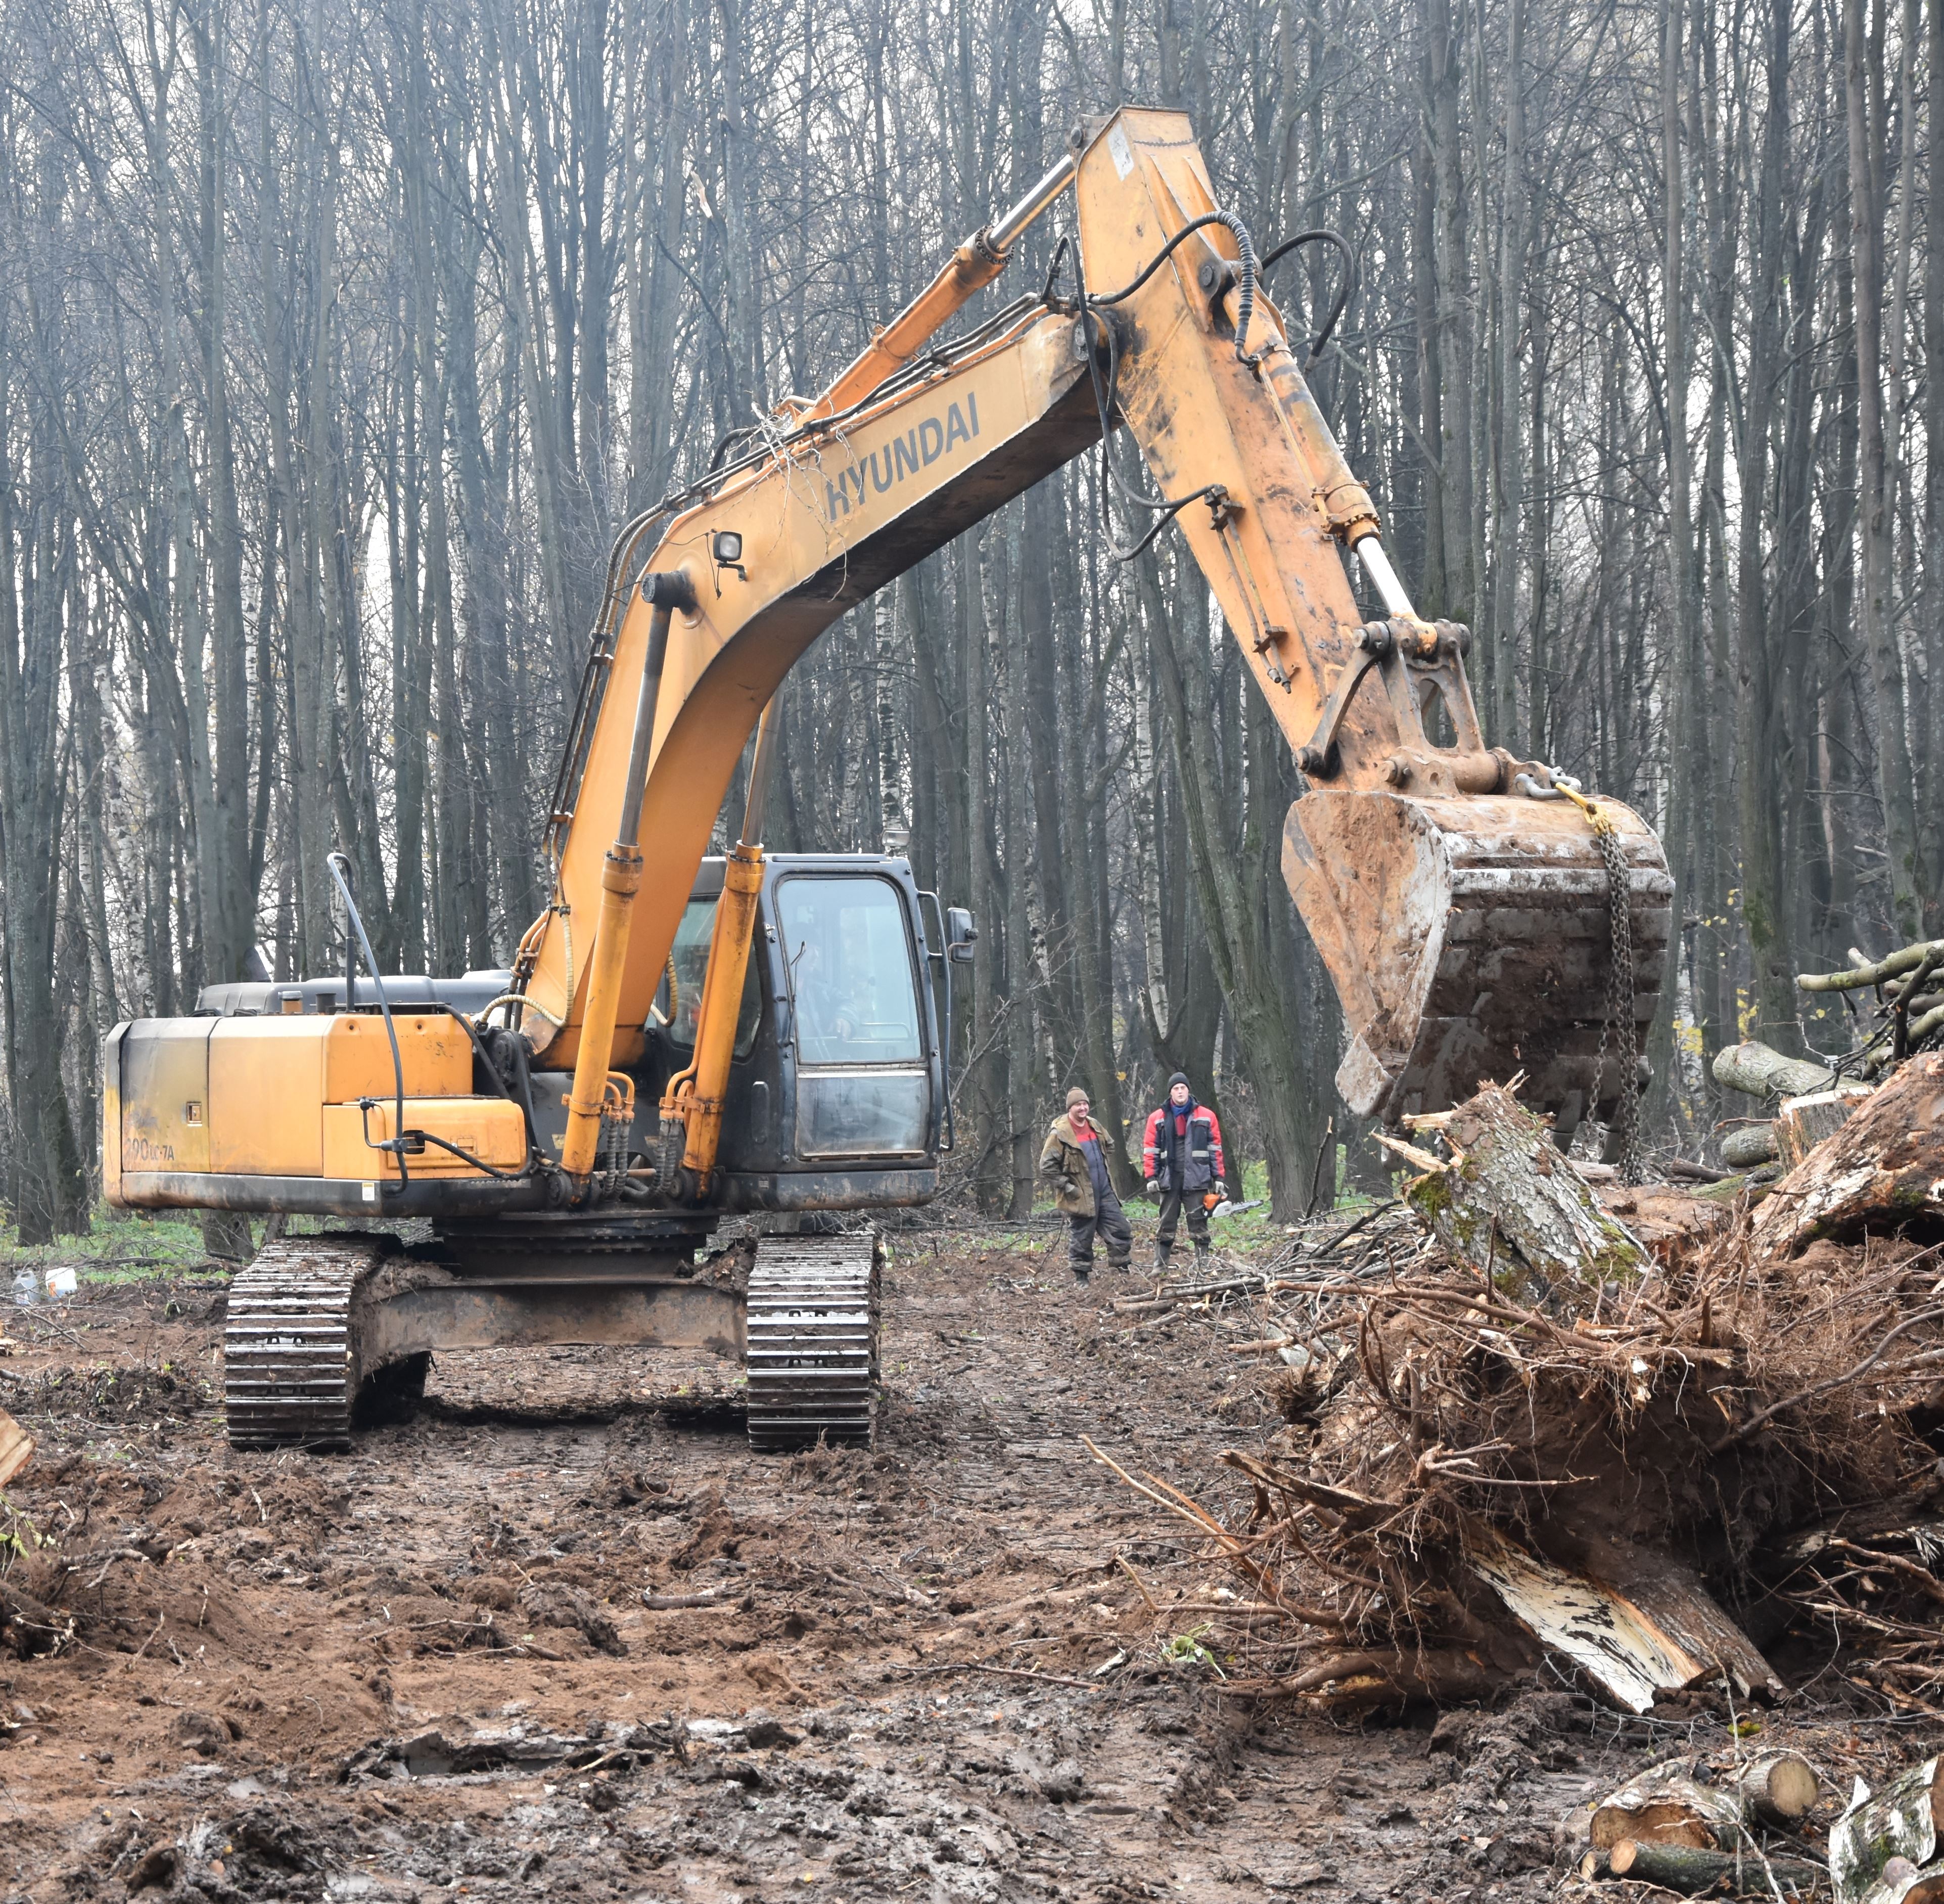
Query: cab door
[859, 1024]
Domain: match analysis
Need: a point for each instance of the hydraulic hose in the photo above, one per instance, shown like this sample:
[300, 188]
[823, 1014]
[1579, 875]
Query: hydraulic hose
[1345, 290]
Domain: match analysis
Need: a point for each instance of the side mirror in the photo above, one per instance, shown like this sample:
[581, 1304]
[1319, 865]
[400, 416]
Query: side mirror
[961, 935]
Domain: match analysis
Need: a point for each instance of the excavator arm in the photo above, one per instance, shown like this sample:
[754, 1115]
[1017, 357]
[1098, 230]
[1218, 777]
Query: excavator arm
[1459, 902]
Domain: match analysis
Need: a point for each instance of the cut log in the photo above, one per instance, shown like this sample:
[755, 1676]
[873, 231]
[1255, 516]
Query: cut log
[1661, 1633]
[1753, 1144]
[1900, 1821]
[1898, 963]
[1680, 1169]
[1883, 1169]
[1663, 1805]
[1763, 1072]
[16, 1447]
[1690, 1870]
[1750, 1185]
[1513, 1208]
[1804, 1123]
[1777, 1789]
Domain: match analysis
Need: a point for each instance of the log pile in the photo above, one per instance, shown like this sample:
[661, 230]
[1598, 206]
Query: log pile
[1545, 1435]
[1679, 1826]
[1906, 992]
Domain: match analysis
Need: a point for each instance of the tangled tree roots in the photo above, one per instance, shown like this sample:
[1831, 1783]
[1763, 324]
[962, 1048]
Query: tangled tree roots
[1695, 1413]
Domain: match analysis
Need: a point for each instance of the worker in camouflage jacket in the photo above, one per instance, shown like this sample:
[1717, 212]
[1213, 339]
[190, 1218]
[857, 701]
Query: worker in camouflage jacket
[1073, 1159]
[1181, 1157]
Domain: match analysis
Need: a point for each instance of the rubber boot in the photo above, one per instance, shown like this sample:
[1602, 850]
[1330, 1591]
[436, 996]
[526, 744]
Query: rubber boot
[1161, 1250]
[1200, 1254]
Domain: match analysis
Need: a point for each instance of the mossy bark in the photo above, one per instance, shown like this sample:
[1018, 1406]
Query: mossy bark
[1511, 1207]
[1690, 1871]
[1899, 1821]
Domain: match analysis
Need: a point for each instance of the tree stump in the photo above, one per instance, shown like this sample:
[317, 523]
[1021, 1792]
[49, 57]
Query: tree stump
[1883, 1169]
[1804, 1123]
[1900, 1821]
[1763, 1072]
[1513, 1208]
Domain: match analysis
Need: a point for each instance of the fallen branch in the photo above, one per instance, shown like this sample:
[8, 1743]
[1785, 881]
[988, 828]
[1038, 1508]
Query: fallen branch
[1004, 1672]
[1894, 966]
[670, 1602]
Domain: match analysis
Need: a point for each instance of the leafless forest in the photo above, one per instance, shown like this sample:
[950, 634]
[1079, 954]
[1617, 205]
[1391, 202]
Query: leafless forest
[336, 339]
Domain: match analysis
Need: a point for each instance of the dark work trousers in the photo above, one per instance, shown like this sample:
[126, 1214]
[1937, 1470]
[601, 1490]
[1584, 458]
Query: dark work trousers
[1111, 1222]
[1173, 1202]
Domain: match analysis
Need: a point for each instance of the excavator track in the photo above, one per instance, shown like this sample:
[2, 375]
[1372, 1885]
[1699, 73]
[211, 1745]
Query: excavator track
[812, 1341]
[290, 1368]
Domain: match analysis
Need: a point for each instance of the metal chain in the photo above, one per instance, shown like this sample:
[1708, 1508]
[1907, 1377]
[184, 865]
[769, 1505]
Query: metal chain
[1620, 1014]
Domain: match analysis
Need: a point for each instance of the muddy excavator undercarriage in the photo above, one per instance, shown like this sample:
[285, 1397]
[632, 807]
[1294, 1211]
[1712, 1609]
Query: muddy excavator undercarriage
[680, 1038]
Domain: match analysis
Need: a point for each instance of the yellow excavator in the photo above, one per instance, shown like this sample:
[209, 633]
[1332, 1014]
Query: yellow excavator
[682, 1037]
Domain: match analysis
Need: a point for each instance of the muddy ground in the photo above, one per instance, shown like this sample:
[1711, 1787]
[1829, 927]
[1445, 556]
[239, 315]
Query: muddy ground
[424, 1670]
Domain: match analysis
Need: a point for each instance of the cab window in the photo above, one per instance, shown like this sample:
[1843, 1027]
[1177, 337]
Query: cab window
[850, 959]
[689, 957]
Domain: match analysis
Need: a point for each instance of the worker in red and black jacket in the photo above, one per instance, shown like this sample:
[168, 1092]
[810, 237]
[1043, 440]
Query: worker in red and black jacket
[1182, 1157]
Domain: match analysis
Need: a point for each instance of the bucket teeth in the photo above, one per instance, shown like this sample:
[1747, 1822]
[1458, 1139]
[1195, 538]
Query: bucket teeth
[812, 1341]
[1469, 939]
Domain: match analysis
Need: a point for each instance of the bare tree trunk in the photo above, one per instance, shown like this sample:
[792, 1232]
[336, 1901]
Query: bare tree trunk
[1764, 911]
[1679, 536]
[1862, 84]
[1455, 314]
[1508, 473]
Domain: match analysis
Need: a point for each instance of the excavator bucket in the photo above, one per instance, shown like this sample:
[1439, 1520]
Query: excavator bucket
[1471, 937]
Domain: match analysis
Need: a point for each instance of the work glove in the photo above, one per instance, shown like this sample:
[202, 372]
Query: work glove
[1154, 1186]
[1221, 1190]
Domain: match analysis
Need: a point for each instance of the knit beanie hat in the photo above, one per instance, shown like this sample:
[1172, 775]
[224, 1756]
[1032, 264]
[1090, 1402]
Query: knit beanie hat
[1180, 1077]
[1078, 1095]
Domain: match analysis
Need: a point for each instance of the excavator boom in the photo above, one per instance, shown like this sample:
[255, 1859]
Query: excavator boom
[1459, 899]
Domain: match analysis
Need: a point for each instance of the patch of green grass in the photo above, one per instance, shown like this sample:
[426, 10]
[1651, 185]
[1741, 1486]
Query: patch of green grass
[121, 1247]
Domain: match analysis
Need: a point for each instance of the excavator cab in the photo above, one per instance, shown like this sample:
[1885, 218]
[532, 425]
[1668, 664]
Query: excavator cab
[838, 1096]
